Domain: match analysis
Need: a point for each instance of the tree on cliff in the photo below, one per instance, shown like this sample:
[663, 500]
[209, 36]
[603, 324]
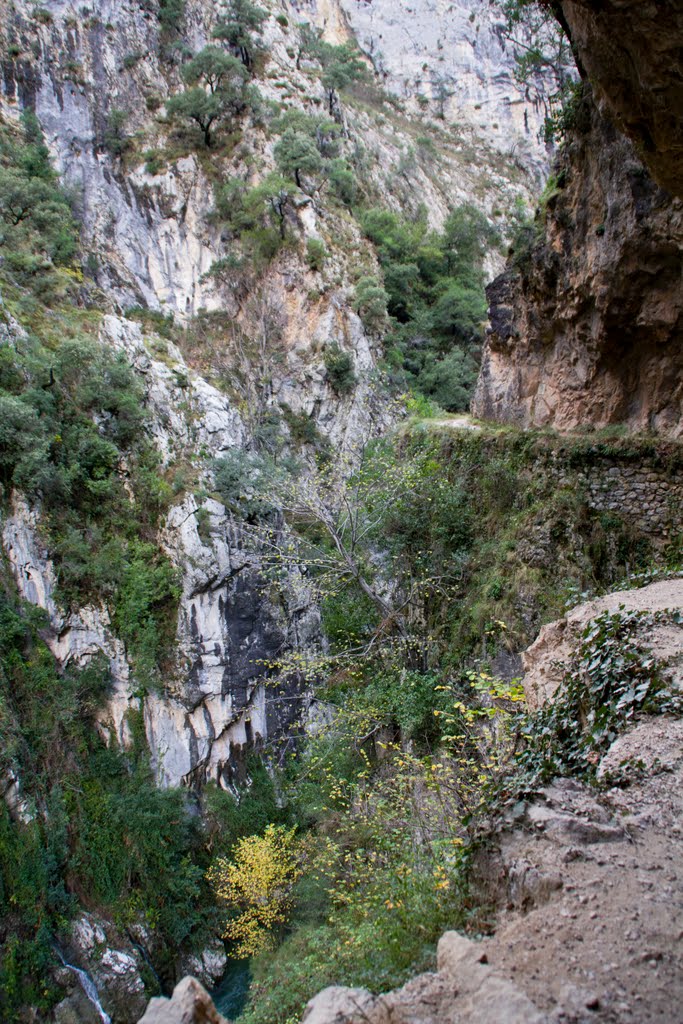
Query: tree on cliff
[241, 28]
[342, 65]
[337, 516]
[218, 89]
[543, 51]
[296, 154]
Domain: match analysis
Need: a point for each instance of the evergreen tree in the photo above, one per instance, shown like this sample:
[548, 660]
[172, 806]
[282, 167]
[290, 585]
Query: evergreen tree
[297, 154]
[342, 65]
[218, 90]
[239, 29]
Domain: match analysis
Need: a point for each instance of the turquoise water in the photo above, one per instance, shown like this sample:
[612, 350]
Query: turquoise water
[231, 994]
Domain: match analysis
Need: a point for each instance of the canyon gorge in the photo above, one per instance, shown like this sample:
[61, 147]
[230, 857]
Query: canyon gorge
[341, 392]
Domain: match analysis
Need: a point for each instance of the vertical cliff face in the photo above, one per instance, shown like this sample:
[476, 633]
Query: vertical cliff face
[637, 74]
[586, 322]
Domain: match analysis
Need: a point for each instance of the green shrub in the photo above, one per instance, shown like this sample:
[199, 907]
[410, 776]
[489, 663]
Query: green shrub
[145, 604]
[450, 381]
[302, 427]
[37, 229]
[614, 677]
[435, 298]
[316, 253]
[370, 302]
[343, 181]
[339, 370]
[218, 91]
[171, 14]
[244, 482]
[115, 138]
[131, 60]
[297, 156]
[241, 29]
[257, 217]
[155, 162]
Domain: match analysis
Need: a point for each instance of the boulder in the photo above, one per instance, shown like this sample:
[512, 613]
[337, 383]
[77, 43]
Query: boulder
[189, 1004]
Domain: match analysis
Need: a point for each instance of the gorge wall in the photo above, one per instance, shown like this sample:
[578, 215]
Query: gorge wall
[586, 324]
[229, 365]
[151, 241]
[636, 74]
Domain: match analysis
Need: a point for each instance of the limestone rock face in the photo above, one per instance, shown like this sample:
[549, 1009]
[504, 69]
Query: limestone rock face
[148, 232]
[631, 50]
[74, 637]
[456, 46]
[216, 704]
[111, 965]
[587, 321]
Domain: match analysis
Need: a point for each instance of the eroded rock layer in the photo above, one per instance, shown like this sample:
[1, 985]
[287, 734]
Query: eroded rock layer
[586, 322]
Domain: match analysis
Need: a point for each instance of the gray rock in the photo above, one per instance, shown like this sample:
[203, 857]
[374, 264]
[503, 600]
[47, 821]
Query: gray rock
[189, 1004]
[338, 1005]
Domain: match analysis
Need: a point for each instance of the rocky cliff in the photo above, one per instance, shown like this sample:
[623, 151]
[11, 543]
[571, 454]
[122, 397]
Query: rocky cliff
[636, 74]
[151, 241]
[586, 321]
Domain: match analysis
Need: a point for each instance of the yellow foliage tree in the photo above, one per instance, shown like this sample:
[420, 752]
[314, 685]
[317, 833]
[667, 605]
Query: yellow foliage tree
[257, 887]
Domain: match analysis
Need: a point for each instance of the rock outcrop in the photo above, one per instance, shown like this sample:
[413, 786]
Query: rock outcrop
[587, 321]
[189, 1004]
[103, 972]
[631, 51]
[547, 658]
[215, 705]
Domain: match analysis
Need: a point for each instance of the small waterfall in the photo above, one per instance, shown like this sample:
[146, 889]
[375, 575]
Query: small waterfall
[145, 956]
[88, 986]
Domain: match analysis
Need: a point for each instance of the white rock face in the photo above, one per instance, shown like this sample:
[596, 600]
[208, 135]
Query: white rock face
[229, 634]
[207, 968]
[73, 638]
[149, 233]
[417, 44]
[217, 703]
[185, 413]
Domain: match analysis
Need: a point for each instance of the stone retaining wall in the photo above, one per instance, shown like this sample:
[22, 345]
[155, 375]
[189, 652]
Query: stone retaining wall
[650, 497]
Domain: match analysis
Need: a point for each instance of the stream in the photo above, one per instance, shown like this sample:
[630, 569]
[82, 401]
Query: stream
[232, 992]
